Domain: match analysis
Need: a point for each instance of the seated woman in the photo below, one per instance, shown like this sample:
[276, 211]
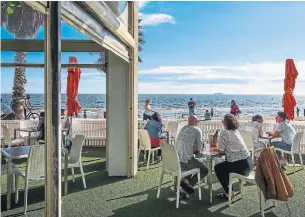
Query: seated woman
[155, 130]
[238, 158]
[256, 128]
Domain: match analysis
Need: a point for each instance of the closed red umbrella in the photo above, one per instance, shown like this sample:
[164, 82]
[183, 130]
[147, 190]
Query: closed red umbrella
[73, 106]
[289, 102]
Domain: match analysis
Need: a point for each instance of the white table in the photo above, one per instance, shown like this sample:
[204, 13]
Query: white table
[210, 155]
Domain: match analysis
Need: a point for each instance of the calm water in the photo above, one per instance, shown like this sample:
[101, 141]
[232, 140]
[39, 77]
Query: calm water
[175, 105]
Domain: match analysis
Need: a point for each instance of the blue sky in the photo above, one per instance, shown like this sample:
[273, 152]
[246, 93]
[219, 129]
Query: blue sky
[201, 47]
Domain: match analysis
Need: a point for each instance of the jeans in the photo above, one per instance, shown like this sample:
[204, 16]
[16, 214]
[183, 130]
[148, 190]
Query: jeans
[192, 164]
[223, 170]
[282, 145]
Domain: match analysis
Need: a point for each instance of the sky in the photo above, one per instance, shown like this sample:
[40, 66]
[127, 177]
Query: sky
[199, 48]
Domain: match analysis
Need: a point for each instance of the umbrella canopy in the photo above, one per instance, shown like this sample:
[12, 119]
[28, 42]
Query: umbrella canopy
[289, 102]
[73, 106]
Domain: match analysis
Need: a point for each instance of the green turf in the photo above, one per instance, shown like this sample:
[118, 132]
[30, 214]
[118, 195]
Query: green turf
[136, 197]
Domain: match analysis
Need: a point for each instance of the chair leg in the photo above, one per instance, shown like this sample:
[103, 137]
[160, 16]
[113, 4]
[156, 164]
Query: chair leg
[160, 184]
[83, 175]
[259, 192]
[230, 190]
[144, 156]
[148, 159]
[292, 156]
[301, 160]
[73, 177]
[199, 185]
[139, 152]
[16, 188]
[178, 191]
[152, 156]
[26, 188]
[242, 183]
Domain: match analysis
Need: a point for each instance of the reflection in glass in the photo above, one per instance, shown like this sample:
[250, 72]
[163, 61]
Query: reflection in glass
[23, 22]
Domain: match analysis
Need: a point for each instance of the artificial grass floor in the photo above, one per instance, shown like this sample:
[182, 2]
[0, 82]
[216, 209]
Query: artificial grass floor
[136, 197]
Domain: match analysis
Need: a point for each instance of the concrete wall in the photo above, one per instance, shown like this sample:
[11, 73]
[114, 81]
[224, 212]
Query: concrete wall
[117, 116]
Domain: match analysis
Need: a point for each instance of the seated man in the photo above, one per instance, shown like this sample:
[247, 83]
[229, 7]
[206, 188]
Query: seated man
[286, 132]
[6, 112]
[207, 115]
[190, 138]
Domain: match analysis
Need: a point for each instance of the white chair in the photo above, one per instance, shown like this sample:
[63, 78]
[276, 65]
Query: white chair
[8, 140]
[35, 170]
[243, 179]
[172, 127]
[295, 148]
[255, 137]
[171, 166]
[248, 141]
[145, 145]
[74, 159]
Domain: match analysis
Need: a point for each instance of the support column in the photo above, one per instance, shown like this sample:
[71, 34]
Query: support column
[52, 110]
[117, 115]
[133, 91]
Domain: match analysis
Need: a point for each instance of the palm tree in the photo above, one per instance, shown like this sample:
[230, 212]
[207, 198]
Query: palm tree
[141, 41]
[24, 22]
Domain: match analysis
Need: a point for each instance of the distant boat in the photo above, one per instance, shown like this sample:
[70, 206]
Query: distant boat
[218, 93]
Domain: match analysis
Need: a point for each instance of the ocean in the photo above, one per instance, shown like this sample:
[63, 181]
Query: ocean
[175, 105]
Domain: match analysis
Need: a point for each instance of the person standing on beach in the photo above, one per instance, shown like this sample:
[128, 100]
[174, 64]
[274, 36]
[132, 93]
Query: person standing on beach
[191, 106]
[298, 112]
[234, 109]
[304, 112]
[212, 112]
[147, 111]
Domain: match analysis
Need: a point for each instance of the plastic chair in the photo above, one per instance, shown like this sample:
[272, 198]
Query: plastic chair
[7, 139]
[35, 170]
[172, 127]
[255, 137]
[171, 166]
[295, 149]
[74, 159]
[243, 179]
[248, 141]
[145, 145]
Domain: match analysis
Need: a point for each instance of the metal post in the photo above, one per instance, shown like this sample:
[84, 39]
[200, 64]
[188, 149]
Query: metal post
[52, 110]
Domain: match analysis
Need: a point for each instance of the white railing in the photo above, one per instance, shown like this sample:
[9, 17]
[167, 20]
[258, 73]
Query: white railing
[95, 129]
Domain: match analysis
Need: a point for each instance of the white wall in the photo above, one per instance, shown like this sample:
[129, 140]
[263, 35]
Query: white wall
[117, 115]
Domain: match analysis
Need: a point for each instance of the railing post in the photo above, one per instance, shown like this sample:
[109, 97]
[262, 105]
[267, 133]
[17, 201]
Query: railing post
[52, 110]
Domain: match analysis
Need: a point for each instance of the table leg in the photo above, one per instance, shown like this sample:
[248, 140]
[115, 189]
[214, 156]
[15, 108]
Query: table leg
[210, 180]
[66, 173]
[15, 133]
[9, 184]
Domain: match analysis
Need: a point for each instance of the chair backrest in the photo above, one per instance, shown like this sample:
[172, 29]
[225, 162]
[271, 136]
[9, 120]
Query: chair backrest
[254, 133]
[35, 168]
[172, 127]
[296, 143]
[6, 136]
[76, 148]
[248, 141]
[170, 159]
[28, 124]
[142, 124]
[144, 139]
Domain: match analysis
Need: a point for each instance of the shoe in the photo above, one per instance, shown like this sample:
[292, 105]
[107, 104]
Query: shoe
[187, 187]
[184, 196]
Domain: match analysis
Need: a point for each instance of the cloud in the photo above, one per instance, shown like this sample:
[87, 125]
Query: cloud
[245, 78]
[142, 4]
[156, 19]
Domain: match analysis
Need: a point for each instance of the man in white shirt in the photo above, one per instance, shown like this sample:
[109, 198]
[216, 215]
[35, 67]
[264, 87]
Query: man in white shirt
[189, 142]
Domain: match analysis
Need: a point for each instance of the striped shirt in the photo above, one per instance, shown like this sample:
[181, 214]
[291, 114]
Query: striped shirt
[233, 145]
[188, 137]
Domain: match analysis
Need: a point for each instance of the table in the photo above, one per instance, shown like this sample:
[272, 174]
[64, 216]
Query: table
[21, 153]
[210, 155]
[268, 137]
[29, 130]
